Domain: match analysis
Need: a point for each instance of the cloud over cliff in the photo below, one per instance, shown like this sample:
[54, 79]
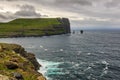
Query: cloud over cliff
[80, 12]
[27, 11]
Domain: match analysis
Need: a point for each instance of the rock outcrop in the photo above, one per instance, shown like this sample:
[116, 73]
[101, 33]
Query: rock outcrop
[65, 23]
[20, 50]
[18, 76]
[17, 64]
[11, 65]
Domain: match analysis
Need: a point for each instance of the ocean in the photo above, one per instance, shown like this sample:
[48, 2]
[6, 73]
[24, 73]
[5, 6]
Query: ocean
[93, 55]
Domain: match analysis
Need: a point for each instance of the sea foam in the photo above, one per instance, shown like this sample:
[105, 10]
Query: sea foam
[49, 68]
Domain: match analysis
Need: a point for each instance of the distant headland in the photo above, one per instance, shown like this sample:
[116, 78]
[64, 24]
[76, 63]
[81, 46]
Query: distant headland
[35, 27]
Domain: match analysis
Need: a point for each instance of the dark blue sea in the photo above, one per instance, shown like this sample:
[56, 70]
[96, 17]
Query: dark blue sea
[93, 55]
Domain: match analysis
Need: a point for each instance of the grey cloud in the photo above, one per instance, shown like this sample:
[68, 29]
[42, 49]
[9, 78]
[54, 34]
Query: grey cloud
[27, 11]
[101, 9]
[6, 16]
[80, 2]
[112, 3]
[92, 23]
[10, 0]
[2, 16]
[13, 0]
[1, 8]
[62, 3]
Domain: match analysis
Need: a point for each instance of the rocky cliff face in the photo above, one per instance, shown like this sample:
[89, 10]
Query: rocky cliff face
[17, 64]
[65, 24]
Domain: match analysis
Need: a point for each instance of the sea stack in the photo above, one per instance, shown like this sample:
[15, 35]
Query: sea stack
[81, 31]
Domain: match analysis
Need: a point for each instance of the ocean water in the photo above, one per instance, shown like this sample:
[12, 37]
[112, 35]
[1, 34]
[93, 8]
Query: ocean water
[93, 55]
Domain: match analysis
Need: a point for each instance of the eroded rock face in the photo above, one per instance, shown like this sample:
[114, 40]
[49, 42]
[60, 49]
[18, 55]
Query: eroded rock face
[20, 50]
[31, 58]
[65, 24]
[11, 65]
[18, 76]
[17, 64]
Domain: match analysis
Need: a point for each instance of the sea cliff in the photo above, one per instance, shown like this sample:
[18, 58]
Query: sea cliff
[27, 27]
[17, 64]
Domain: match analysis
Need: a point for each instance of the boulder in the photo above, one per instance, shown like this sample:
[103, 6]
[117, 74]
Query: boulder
[18, 76]
[11, 65]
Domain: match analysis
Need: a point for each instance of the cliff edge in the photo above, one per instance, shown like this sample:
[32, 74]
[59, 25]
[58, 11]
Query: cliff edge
[27, 27]
[17, 64]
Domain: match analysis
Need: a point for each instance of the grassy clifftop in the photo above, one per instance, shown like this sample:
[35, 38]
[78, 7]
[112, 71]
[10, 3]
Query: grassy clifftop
[17, 64]
[34, 27]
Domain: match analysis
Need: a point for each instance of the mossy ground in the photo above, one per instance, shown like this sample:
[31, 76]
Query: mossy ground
[25, 67]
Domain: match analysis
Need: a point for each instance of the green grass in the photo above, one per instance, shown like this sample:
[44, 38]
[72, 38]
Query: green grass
[29, 26]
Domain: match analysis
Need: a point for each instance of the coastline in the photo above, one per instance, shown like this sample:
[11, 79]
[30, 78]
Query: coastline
[34, 27]
[23, 28]
[16, 61]
[31, 36]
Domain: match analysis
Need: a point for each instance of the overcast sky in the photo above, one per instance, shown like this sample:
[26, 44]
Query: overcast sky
[83, 14]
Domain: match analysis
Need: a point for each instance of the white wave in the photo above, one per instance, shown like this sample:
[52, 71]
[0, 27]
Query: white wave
[46, 49]
[61, 50]
[87, 68]
[105, 62]
[77, 65]
[49, 67]
[89, 53]
[105, 70]
[41, 46]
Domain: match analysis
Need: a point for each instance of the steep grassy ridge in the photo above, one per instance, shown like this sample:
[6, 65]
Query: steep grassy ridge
[32, 27]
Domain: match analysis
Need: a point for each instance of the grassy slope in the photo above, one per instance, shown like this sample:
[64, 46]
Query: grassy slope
[7, 55]
[27, 27]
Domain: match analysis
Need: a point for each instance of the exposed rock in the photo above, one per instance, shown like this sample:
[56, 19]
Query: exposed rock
[14, 60]
[11, 65]
[31, 58]
[20, 50]
[2, 77]
[22, 65]
[1, 48]
[18, 76]
[65, 24]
